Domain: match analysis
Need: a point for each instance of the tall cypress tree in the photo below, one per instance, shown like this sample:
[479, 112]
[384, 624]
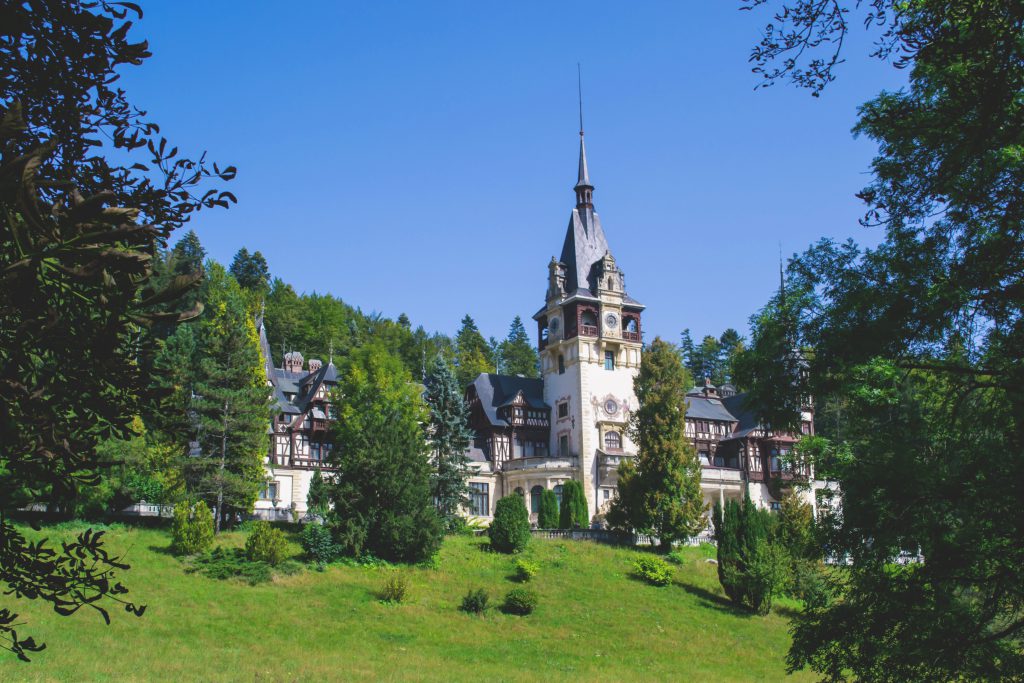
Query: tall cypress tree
[231, 405]
[383, 503]
[547, 517]
[661, 494]
[518, 355]
[574, 512]
[449, 438]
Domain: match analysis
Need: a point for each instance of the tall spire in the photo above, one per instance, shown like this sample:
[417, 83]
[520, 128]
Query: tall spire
[584, 190]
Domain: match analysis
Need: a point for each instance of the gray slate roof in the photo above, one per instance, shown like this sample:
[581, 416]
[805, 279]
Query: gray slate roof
[700, 408]
[495, 391]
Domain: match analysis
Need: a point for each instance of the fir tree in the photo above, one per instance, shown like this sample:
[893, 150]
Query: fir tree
[251, 271]
[547, 517]
[472, 353]
[449, 437]
[661, 493]
[230, 405]
[518, 355]
[382, 499]
[574, 512]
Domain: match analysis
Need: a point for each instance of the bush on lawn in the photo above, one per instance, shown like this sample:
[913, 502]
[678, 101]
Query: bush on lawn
[475, 601]
[265, 544]
[395, 589]
[520, 601]
[192, 529]
[653, 570]
[574, 513]
[510, 530]
[526, 570]
[318, 544]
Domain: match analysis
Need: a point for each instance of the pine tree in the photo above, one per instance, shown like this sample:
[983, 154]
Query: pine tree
[231, 404]
[518, 355]
[547, 517]
[251, 271]
[687, 352]
[751, 567]
[661, 494]
[449, 438]
[382, 498]
[730, 346]
[472, 353]
[574, 512]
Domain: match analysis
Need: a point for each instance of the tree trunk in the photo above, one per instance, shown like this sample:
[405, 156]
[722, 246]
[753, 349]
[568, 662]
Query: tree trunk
[220, 477]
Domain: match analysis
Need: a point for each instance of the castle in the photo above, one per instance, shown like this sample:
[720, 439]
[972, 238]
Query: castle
[532, 434]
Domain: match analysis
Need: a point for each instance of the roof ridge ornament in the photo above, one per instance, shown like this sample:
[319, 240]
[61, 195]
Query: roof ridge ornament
[584, 189]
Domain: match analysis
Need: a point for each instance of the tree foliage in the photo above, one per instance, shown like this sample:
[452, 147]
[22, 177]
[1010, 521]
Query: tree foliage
[192, 528]
[510, 529]
[473, 354]
[449, 437]
[89, 193]
[751, 568]
[518, 356]
[548, 515]
[251, 271]
[574, 512]
[917, 341]
[713, 359]
[381, 493]
[661, 494]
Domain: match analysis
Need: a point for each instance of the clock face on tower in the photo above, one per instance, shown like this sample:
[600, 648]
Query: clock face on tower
[553, 326]
[611, 321]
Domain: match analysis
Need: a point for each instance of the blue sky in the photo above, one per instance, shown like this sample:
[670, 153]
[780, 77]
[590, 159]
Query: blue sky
[420, 157]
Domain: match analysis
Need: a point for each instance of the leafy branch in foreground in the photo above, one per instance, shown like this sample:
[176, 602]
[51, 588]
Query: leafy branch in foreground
[81, 574]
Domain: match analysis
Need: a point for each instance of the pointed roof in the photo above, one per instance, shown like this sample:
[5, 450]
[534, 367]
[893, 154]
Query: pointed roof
[583, 178]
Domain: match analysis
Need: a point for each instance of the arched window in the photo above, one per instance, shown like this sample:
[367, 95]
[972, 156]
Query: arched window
[535, 493]
[631, 325]
[558, 494]
[611, 284]
[589, 318]
[612, 441]
[561, 364]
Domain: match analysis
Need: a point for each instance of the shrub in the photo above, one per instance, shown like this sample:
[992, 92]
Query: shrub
[547, 517]
[265, 544]
[395, 588]
[573, 513]
[526, 570]
[232, 563]
[192, 529]
[475, 601]
[510, 530]
[520, 601]
[751, 568]
[653, 570]
[318, 544]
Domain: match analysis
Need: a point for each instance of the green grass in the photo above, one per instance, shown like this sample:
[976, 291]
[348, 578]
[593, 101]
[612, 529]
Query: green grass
[595, 621]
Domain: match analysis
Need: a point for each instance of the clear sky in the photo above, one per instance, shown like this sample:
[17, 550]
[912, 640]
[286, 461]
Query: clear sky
[420, 157]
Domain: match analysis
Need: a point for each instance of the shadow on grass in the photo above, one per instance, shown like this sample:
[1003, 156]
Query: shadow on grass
[714, 600]
[162, 549]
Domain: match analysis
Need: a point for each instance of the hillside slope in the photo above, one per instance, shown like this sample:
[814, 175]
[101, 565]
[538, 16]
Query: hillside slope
[595, 621]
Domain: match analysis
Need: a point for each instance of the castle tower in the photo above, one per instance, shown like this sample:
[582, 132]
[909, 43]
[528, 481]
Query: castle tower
[590, 346]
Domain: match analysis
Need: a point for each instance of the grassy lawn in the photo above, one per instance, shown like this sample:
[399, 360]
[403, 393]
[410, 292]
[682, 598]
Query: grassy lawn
[594, 622]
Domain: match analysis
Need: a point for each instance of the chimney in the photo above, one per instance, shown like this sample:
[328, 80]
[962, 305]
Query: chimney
[315, 364]
[293, 361]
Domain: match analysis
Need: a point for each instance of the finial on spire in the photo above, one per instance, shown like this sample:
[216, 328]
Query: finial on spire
[579, 90]
[331, 356]
[782, 278]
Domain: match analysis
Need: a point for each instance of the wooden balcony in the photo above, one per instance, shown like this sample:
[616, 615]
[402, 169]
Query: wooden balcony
[588, 330]
[631, 336]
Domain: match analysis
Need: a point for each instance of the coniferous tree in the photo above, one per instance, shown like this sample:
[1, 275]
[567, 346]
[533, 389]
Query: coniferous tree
[547, 516]
[231, 405]
[510, 530]
[251, 271]
[449, 437]
[318, 500]
[518, 355]
[751, 568]
[382, 499]
[472, 353]
[661, 494]
[574, 512]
